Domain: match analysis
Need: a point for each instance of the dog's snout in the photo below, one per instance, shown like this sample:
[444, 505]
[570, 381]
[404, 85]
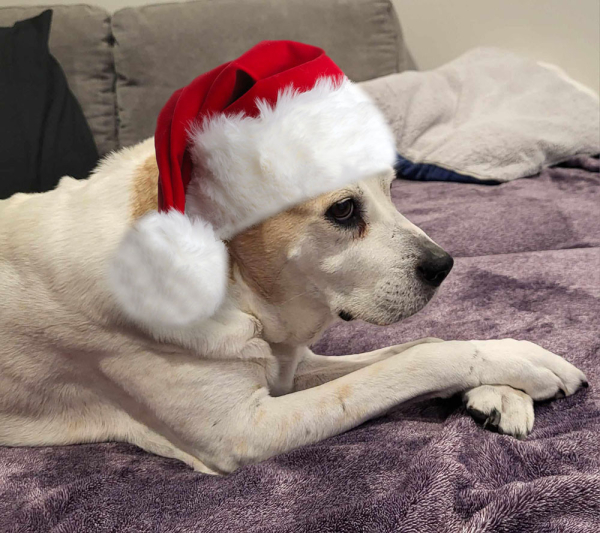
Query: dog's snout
[435, 265]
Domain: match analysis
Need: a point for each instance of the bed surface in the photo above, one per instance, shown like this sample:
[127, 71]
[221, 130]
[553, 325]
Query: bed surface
[527, 266]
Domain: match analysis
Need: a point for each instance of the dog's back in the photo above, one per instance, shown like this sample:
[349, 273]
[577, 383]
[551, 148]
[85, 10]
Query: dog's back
[54, 301]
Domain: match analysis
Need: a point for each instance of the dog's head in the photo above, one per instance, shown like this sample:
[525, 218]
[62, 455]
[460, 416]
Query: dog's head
[349, 252]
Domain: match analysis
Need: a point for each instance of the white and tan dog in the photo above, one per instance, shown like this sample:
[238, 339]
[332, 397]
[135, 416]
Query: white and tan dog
[243, 385]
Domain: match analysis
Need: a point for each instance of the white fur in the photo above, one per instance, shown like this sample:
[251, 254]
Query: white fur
[215, 394]
[248, 169]
[504, 408]
[169, 271]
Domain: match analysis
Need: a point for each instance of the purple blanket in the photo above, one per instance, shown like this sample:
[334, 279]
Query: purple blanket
[528, 266]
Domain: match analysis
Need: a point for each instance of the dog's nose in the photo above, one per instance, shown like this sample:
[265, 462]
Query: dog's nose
[435, 265]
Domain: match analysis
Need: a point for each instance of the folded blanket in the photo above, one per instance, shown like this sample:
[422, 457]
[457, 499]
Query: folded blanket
[488, 116]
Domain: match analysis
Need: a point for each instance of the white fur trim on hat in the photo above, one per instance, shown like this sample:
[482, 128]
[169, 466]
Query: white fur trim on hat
[247, 169]
[169, 270]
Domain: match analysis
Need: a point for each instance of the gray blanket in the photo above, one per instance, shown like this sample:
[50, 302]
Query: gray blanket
[427, 468]
[489, 115]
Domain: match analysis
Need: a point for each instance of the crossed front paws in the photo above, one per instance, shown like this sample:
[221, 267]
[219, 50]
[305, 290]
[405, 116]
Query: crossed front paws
[543, 374]
[501, 408]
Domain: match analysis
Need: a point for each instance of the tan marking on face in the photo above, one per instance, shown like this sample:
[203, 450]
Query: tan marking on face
[261, 251]
[144, 197]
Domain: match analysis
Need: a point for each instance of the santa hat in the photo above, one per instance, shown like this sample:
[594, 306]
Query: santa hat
[277, 126]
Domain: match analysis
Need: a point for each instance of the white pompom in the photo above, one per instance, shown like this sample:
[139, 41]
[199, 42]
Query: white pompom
[169, 271]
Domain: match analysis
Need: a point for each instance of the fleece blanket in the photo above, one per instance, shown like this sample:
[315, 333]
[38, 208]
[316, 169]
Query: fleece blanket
[488, 116]
[419, 469]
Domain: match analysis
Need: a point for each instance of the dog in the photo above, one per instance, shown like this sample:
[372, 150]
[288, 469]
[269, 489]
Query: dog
[243, 385]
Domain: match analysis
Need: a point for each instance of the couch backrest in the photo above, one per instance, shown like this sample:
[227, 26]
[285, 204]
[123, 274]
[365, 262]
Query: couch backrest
[123, 68]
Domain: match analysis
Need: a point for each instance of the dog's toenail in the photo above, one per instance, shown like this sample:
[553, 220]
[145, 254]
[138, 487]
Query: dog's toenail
[493, 420]
[478, 415]
[496, 416]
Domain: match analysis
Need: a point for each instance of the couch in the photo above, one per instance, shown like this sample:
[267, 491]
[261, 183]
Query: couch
[527, 255]
[123, 67]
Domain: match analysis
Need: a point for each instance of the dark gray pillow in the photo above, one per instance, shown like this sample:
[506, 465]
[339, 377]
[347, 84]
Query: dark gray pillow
[43, 133]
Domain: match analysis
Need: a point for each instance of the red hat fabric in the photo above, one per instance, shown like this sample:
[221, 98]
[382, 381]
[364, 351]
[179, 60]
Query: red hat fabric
[243, 142]
[233, 88]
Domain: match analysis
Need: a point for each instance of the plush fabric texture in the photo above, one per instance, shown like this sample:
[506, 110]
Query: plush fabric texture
[277, 126]
[246, 169]
[489, 115]
[44, 135]
[239, 89]
[165, 266]
[557, 209]
[428, 467]
[81, 41]
[160, 48]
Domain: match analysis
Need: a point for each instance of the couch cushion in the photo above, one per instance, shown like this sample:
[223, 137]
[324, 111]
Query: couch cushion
[161, 48]
[80, 40]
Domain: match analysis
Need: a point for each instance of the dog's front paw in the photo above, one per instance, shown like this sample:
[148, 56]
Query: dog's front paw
[500, 408]
[527, 367]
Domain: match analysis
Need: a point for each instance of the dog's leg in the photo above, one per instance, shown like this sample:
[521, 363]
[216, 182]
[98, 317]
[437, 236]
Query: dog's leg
[152, 442]
[316, 369]
[263, 426]
[497, 407]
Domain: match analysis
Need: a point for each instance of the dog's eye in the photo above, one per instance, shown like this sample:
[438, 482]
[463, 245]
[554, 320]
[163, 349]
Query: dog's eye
[348, 214]
[342, 211]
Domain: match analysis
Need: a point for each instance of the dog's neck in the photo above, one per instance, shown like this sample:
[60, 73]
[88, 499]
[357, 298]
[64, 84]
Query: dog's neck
[295, 321]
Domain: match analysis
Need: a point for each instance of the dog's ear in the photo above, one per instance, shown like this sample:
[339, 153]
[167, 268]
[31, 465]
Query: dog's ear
[169, 271]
